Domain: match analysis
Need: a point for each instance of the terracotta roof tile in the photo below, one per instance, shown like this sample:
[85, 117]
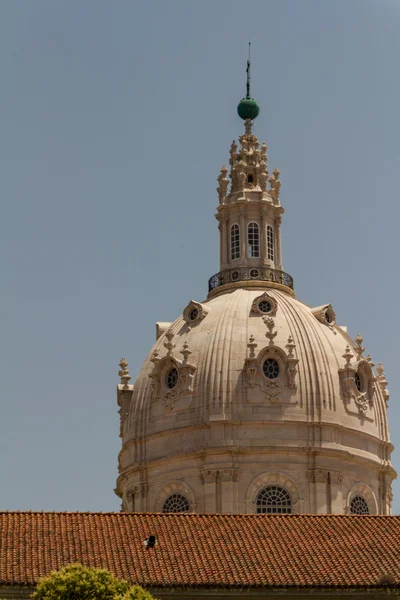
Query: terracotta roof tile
[204, 550]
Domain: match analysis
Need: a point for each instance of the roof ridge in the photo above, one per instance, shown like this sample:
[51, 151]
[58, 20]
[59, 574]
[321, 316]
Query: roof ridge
[196, 515]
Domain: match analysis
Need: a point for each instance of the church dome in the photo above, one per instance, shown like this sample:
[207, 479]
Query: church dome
[251, 401]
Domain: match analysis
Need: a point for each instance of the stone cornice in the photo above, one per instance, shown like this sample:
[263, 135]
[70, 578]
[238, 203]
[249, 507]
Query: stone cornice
[251, 284]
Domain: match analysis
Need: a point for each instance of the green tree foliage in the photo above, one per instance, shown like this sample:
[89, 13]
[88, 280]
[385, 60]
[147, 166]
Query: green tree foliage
[76, 582]
[136, 592]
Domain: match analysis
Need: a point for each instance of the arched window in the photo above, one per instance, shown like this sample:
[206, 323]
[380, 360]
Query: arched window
[270, 242]
[235, 242]
[359, 506]
[273, 499]
[253, 240]
[176, 503]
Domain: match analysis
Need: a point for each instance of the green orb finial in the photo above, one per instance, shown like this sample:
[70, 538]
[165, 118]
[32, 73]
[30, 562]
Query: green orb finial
[248, 108]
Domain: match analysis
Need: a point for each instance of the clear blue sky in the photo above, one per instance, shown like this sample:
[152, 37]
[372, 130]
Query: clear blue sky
[115, 120]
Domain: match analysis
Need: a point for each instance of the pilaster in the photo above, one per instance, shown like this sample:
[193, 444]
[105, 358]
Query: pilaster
[278, 247]
[220, 490]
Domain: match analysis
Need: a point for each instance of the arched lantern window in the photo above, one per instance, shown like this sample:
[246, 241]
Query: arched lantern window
[253, 240]
[235, 242]
[270, 242]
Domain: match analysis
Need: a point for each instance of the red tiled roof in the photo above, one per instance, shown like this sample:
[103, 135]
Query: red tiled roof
[204, 550]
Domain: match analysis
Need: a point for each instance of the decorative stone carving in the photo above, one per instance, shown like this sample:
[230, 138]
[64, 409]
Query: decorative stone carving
[248, 165]
[241, 177]
[275, 184]
[124, 395]
[124, 373]
[325, 314]
[195, 312]
[270, 333]
[159, 375]
[348, 355]
[223, 184]
[168, 344]
[359, 349]
[369, 361]
[381, 380]
[291, 363]
[264, 298]
[287, 362]
[321, 476]
[325, 476]
[220, 475]
[162, 327]
[363, 397]
[336, 477]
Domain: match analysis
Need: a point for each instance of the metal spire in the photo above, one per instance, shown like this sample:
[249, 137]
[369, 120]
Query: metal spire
[248, 75]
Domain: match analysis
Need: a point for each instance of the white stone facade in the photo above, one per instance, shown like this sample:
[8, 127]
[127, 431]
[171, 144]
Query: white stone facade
[253, 390]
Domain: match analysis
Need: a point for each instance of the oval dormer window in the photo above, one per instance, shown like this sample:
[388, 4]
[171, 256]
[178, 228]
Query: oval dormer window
[193, 314]
[172, 378]
[271, 368]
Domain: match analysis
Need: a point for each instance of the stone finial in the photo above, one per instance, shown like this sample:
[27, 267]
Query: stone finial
[348, 355]
[233, 156]
[247, 126]
[124, 373]
[185, 352]
[275, 184]
[264, 152]
[263, 176]
[168, 344]
[381, 379]
[155, 357]
[369, 361]
[252, 346]
[241, 177]
[359, 349]
[277, 188]
[223, 184]
[290, 346]
[270, 334]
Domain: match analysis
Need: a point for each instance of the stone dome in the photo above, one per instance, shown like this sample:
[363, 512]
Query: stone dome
[227, 419]
[252, 401]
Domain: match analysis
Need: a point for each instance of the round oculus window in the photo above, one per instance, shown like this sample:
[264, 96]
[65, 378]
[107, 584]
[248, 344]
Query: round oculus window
[264, 306]
[193, 314]
[328, 317]
[254, 273]
[271, 368]
[235, 275]
[172, 378]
